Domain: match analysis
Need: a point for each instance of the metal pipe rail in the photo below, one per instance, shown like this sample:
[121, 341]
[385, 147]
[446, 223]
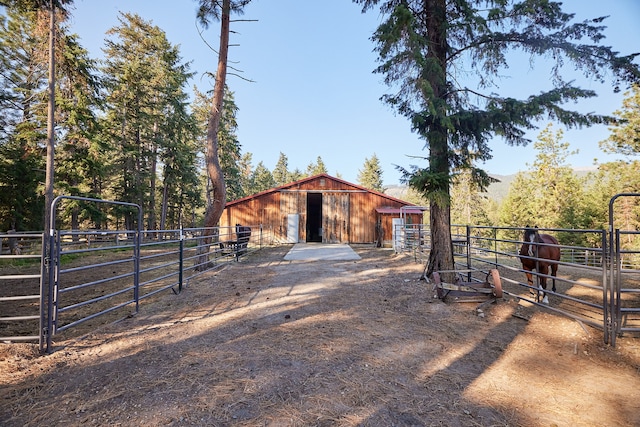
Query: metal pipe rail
[25, 287]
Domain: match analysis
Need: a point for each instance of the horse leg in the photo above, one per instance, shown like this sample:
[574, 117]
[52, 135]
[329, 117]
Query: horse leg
[529, 279]
[544, 269]
[554, 271]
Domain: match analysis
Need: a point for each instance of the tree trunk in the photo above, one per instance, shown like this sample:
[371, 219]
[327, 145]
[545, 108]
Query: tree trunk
[441, 255]
[219, 192]
[151, 209]
[165, 202]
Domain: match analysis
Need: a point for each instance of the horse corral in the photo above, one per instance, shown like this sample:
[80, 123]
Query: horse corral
[355, 343]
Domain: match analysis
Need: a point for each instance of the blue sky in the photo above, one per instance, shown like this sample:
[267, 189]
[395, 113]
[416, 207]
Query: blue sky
[313, 92]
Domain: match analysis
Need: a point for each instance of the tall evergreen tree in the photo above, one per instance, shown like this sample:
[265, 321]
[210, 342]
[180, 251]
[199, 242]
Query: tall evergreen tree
[550, 195]
[217, 10]
[625, 134]
[281, 173]
[261, 179]
[614, 178]
[468, 204]
[316, 168]
[229, 148]
[246, 173]
[558, 188]
[24, 114]
[370, 176]
[146, 102]
[422, 44]
[80, 151]
[622, 176]
[48, 8]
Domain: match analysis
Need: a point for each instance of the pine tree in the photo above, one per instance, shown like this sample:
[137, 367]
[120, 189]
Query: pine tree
[614, 178]
[146, 102]
[229, 148]
[281, 173]
[468, 204]
[296, 175]
[625, 133]
[422, 46]
[316, 168]
[550, 195]
[622, 176]
[80, 152]
[246, 173]
[261, 179]
[24, 115]
[370, 176]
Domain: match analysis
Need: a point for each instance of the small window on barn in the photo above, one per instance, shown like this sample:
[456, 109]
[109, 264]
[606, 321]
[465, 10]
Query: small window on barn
[322, 184]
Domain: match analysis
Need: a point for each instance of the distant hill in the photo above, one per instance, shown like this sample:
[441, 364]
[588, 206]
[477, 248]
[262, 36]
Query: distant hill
[499, 190]
[496, 191]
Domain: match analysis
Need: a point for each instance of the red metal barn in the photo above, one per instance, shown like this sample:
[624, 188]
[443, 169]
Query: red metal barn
[321, 208]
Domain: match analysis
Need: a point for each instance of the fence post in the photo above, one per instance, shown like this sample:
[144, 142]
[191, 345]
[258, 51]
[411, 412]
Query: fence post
[468, 238]
[52, 302]
[606, 312]
[180, 274]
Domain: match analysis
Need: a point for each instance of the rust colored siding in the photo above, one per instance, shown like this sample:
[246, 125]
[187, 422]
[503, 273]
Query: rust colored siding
[348, 210]
[293, 203]
[335, 217]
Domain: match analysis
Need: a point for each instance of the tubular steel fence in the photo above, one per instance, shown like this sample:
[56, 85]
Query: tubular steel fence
[598, 282]
[624, 293]
[20, 289]
[94, 273]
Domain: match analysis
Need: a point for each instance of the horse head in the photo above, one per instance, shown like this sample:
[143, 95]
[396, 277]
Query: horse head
[531, 235]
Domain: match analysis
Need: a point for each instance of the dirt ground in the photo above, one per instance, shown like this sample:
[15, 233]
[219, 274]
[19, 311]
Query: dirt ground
[268, 342]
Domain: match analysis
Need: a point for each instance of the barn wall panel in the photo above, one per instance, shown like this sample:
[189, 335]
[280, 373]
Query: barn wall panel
[349, 211]
[335, 217]
[362, 218]
[326, 185]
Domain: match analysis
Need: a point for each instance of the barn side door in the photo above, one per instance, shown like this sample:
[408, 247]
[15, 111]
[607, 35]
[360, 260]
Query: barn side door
[292, 203]
[335, 218]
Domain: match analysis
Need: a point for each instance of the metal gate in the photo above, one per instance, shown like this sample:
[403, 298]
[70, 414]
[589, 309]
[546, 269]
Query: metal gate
[53, 294]
[622, 313]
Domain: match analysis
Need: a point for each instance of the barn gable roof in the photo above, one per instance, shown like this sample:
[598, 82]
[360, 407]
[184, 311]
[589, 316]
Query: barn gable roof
[312, 178]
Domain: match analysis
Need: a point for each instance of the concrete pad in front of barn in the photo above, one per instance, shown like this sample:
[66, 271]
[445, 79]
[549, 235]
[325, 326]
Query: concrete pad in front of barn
[321, 252]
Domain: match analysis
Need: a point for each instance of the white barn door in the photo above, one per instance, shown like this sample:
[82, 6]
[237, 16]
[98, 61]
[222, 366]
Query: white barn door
[293, 222]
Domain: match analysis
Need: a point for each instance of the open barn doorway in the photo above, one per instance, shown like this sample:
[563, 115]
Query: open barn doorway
[314, 217]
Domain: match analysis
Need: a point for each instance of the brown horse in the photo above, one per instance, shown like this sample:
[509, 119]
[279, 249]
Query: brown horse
[537, 253]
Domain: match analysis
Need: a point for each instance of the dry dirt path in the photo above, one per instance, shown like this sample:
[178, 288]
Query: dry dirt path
[268, 342]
